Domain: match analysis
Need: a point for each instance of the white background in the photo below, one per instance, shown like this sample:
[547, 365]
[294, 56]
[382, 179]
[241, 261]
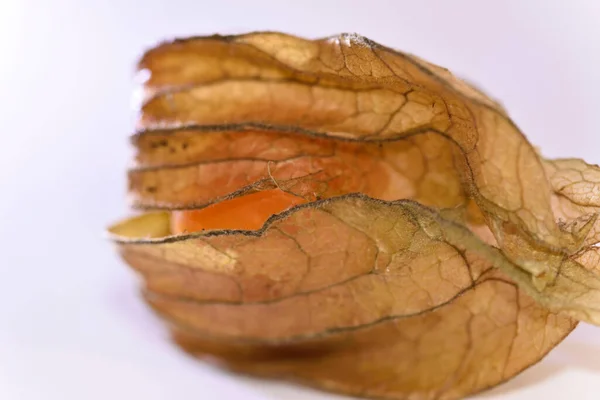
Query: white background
[71, 324]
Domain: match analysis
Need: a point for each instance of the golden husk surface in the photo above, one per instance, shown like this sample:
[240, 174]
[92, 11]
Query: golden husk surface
[436, 254]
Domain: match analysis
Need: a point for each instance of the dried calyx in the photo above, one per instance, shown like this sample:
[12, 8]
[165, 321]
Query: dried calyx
[352, 217]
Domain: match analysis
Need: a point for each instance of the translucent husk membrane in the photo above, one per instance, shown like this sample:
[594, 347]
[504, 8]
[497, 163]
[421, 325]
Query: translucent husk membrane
[431, 252]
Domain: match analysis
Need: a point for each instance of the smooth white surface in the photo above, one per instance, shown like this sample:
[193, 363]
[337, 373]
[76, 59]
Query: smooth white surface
[71, 324]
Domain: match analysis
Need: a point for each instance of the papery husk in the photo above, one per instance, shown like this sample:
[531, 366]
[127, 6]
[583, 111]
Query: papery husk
[437, 255]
